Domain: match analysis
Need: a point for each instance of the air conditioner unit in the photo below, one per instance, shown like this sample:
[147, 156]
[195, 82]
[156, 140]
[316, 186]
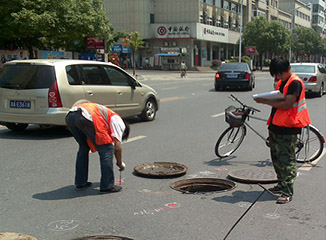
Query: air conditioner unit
[165, 44]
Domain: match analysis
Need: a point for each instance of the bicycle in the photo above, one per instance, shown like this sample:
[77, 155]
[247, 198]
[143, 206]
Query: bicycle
[183, 73]
[309, 145]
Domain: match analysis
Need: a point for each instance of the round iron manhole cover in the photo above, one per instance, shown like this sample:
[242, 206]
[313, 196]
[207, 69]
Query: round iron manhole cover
[103, 238]
[254, 175]
[15, 236]
[203, 185]
[161, 169]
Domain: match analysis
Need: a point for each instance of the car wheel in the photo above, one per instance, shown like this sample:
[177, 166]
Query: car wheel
[16, 127]
[149, 111]
[321, 90]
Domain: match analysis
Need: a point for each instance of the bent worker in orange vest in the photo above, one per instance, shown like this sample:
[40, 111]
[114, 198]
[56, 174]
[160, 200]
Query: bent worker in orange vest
[97, 127]
[287, 118]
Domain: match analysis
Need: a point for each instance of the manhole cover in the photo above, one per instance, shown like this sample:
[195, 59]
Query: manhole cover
[203, 185]
[103, 238]
[254, 175]
[15, 236]
[161, 169]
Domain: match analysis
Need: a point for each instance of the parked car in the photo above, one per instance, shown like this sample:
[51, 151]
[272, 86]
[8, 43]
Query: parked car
[313, 76]
[42, 91]
[234, 75]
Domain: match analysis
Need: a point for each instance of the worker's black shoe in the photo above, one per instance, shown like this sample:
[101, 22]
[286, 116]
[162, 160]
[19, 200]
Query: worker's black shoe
[88, 184]
[115, 188]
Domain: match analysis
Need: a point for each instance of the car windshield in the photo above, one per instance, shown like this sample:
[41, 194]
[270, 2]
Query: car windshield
[26, 76]
[303, 68]
[233, 67]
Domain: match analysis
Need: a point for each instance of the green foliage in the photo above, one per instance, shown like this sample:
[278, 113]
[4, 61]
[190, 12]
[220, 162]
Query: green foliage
[267, 36]
[245, 59]
[307, 40]
[52, 24]
[135, 42]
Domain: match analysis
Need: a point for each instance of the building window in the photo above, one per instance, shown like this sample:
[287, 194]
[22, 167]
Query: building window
[315, 8]
[209, 2]
[226, 5]
[152, 19]
[218, 3]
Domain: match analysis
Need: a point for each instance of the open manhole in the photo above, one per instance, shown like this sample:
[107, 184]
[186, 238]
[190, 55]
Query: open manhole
[203, 185]
[103, 238]
[15, 236]
[161, 169]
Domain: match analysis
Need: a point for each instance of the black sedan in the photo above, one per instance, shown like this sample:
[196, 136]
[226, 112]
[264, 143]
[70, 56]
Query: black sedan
[234, 75]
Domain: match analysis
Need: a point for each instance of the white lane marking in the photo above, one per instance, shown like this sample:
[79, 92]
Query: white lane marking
[134, 139]
[171, 88]
[171, 99]
[307, 166]
[218, 115]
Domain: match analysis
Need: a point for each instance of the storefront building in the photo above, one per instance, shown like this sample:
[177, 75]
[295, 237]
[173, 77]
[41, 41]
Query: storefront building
[194, 31]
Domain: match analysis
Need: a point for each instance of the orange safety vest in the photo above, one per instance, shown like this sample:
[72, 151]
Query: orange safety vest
[297, 115]
[101, 119]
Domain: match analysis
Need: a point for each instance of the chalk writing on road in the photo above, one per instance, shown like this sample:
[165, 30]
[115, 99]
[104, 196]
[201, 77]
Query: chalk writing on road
[63, 225]
[168, 206]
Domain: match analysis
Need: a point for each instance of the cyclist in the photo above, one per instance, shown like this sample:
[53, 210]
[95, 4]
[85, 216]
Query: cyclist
[287, 118]
[183, 68]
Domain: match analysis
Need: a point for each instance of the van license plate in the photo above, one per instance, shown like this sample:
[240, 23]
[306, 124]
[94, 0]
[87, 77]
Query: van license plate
[20, 104]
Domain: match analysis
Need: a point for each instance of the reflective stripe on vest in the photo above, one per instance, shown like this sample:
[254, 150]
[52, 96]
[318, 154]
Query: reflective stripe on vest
[295, 116]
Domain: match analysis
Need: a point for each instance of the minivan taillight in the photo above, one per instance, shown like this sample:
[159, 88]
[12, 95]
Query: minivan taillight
[54, 96]
[247, 76]
[313, 79]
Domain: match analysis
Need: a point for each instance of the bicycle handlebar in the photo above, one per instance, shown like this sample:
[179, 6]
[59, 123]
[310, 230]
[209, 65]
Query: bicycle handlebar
[243, 105]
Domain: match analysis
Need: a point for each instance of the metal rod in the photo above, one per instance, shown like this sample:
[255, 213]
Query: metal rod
[261, 136]
[243, 215]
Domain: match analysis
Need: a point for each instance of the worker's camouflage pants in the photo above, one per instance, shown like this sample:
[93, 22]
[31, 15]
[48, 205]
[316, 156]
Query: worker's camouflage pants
[283, 156]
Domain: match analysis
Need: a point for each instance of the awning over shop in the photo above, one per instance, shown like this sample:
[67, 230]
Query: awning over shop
[167, 54]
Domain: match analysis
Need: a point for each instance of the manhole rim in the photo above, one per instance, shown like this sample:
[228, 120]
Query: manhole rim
[234, 185]
[183, 170]
[232, 175]
[103, 237]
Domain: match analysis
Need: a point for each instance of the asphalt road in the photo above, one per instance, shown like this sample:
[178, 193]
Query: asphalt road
[37, 196]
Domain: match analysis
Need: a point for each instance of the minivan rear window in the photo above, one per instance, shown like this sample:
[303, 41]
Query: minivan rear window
[25, 76]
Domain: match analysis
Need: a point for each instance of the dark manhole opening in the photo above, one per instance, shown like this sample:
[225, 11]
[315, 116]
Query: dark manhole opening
[161, 169]
[203, 185]
[103, 238]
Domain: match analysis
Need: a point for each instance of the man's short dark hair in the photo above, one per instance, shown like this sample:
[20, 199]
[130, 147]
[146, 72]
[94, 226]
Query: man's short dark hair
[278, 65]
[126, 132]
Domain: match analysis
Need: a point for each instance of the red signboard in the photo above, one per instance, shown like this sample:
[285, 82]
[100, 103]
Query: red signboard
[93, 42]
[251, 51]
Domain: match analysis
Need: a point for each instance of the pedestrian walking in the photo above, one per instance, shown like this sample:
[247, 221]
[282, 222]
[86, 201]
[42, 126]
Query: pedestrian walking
[183, 68]
[287, 118]
[98, 128]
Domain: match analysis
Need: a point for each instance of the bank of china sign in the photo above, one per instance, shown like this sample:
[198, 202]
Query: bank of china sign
[211, 33]
[179, 30]
[190, 30]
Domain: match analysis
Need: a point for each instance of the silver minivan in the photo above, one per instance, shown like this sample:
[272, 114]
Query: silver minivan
[42, 91]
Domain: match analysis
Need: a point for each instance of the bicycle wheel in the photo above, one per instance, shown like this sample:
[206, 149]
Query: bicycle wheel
[229, 141]
[310, 145]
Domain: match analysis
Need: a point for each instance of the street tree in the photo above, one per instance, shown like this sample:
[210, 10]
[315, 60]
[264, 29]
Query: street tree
[135, 42]
[306, 40]
[255, 34]
[277, 38]
[51, 24]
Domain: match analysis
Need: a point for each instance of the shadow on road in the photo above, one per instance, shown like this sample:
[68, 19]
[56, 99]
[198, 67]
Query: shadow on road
[68, 192]
[243, 197]
[36, 133]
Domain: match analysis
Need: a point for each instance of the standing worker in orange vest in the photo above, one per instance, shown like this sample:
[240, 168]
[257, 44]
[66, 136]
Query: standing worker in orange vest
[287, 118]
[97, 127]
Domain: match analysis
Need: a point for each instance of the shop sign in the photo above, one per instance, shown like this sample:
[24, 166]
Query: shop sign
[251, 51]
[177, 30]
[212, 33]
[94, 43]
[118, 48]
[170, 50]
[56, 55]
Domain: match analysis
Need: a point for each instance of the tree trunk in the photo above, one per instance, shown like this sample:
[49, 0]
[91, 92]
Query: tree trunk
[134, 63]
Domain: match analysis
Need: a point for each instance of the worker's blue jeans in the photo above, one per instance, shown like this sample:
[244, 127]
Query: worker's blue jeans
[81, 128]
